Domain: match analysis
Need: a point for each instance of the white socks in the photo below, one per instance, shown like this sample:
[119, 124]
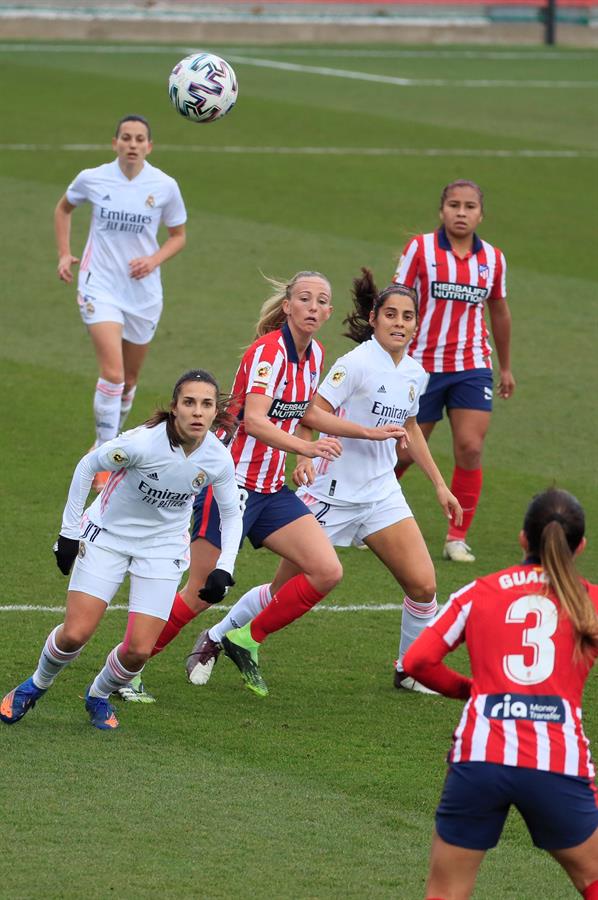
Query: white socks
[126, 402]
[113, 676]
[52, 661]
[415, 618]
[253, 602]
[106, 409]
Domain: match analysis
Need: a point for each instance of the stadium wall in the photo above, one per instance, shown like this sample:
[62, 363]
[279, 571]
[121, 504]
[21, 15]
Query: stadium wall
[362, 21]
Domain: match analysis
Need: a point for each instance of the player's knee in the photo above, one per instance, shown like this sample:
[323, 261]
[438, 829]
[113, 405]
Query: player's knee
[422, 591]
[469, 454]
[328, 576]
[113, 373]
[134, 657]
[72, 638]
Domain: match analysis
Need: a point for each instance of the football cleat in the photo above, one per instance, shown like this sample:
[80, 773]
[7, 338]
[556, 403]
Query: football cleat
[135, 692]
[101, 713]
[458, 551]
[405, 682]
[240, 647]
[202, 659]
[19, 701]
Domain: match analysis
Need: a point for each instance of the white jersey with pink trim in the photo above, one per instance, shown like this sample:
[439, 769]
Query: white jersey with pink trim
[367, 387]
[125, 218]
[452, 335]
[146, 505]
[525, 704]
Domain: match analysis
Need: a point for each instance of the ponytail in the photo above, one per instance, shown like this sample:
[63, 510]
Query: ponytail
[554, 526]
[367, 299]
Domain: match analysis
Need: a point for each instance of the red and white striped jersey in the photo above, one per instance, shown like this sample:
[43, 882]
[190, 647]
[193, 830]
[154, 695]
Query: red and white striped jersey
[525, 703]
[452, 335]
[272, 367]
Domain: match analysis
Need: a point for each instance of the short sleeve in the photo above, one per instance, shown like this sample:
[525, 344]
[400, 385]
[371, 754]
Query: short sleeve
[265, 366]
[174, 212]
[406, 271]
[78, 190]
[499, 285]
[340, 382]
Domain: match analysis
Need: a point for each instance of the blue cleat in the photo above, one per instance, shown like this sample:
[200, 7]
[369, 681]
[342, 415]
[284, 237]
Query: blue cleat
[101, 713]
[20, 701]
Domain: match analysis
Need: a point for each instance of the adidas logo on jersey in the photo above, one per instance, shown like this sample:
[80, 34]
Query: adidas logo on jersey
[153, 476]
[107, 197]
[381, 390]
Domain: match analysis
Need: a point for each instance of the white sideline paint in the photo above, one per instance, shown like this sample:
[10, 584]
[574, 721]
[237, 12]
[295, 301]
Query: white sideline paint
[328, 151]
[362, 607]
[350, 53]
[327, 71]
[409, 82]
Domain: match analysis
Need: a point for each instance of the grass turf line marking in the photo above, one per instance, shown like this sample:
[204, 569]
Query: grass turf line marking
[327, 151]
[408, 82]
[119, 607]
[351, 53]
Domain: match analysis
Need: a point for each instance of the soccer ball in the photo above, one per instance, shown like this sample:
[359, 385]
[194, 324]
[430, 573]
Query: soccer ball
[202, 87]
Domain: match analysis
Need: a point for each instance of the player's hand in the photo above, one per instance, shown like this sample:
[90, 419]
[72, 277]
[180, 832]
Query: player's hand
[506, 384]
[451, 506]
[385, 432]
[64, 267]
[65, 550]
[304, 473]
[216, 586]
[326, 448]
[141, 267]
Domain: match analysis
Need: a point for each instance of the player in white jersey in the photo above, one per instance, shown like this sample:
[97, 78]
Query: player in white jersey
[119, 291]
[138, 525]
[356, 497]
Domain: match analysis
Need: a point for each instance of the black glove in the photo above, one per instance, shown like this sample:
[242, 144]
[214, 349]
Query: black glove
[65, 551]
[216, 586]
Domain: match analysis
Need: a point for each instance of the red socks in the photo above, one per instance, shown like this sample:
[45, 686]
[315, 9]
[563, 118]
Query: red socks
[591, 892]
[467, 487]
[293, 600]
[180, 615]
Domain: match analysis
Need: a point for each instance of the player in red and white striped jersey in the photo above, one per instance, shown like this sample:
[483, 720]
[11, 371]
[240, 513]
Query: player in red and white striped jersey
[532, 635]
[275, 382]
[456, 275]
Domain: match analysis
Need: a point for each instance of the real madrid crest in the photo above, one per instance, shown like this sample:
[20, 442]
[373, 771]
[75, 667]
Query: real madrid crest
[411, 393]
[150, 202]
[82, 550]
[337, 376]
[199, 480]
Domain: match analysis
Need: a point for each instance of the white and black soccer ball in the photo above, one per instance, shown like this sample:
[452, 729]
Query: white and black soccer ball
[203, 87]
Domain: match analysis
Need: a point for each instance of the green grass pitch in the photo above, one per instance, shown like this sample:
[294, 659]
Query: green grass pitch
[326, 789]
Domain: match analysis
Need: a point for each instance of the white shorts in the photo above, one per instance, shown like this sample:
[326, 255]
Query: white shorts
[350, 524]
[136, 329]
[153, 582]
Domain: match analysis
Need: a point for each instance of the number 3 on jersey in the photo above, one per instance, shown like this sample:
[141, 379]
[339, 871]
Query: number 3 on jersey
[537, 639]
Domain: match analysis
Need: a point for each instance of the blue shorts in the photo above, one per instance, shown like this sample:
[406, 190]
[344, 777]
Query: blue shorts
[560, 811]
[263, 514]
[471, 389]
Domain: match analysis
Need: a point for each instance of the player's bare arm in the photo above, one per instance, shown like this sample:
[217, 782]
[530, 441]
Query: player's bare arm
[500, 324]
[420, 452]
[62, 230]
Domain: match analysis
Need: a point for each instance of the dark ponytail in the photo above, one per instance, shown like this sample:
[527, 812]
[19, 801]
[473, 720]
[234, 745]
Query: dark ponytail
[367, 298]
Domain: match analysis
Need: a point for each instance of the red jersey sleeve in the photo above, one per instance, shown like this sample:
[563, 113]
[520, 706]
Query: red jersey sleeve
[423, 660]
[406, 272]
[499, 285]
[264, 366]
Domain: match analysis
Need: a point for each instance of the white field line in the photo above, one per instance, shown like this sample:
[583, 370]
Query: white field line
[361, 607]
[409, 82]
[348, 53]
[328, 151]
[351, 74]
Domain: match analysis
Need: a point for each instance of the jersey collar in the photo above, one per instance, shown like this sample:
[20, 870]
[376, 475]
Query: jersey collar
[290, 345]
[378, 348]
[445, 244]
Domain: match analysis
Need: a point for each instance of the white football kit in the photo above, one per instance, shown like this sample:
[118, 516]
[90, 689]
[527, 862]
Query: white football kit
[126, 215]
[358, 493]
[140, 521]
